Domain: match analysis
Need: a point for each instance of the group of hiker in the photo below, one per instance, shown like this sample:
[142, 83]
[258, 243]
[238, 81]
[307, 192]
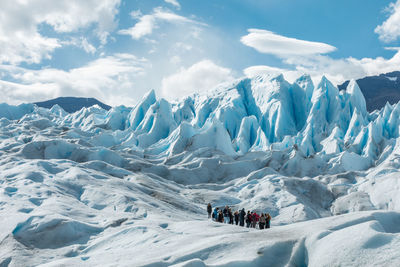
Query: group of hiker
[239, 217]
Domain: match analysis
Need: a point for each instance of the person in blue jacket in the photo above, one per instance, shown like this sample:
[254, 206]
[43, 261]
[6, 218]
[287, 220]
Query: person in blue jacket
[215, 214]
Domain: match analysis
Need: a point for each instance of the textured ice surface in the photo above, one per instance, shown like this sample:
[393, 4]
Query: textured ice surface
[129, 186]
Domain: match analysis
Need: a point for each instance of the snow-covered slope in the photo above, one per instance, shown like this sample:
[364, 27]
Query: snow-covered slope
[129, 186]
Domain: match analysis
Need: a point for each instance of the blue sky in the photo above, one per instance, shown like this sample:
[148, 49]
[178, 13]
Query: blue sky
[117, 50]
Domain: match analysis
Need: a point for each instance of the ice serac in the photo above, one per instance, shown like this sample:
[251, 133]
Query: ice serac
[250, 134]
[86, 118]
[322, 117]
[307, 85]
[356, 123]
[180, 139]
[252, 96]
[230, 112]
[333, 144]
[300, 103]
[227, 105]
[116, 118]
[15, 112]
[184, 111]
[59, 111]
[276, 104]
[393, 122]
[157, 124]
[177, 142]
[357, 100]
[138, 112]
[212, 135]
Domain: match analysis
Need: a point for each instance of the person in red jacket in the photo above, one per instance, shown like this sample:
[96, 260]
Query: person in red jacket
[255, 218]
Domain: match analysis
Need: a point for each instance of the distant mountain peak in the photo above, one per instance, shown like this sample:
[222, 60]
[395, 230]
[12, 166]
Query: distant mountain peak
[378, 90]
[72, 104]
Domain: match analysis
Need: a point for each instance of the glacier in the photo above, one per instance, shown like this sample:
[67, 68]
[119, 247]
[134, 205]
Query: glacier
[129, 186]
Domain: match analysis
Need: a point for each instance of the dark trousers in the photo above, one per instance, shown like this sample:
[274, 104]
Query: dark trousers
[241, 222]
[261, 225]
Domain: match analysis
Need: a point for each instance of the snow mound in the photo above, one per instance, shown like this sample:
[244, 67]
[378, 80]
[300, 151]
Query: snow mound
[42, 232]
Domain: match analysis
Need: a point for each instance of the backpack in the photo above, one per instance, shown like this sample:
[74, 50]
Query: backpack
[225, 212]
[248, 219]
[242, 214]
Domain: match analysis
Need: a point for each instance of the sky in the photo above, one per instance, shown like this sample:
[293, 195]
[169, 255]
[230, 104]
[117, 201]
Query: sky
[117, 50]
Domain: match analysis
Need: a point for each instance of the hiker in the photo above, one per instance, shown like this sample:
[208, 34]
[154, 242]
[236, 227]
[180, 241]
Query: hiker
[226, 216]
[236, 215]
[220, 217]
[248, 219]
[267, 221]
[262, 221]
[209, 210]
[215, 214]
[230, 214]
[241, 217]
[254, 218]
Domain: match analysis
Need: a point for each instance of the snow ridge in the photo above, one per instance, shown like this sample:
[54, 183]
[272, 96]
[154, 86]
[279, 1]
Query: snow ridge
[260, 114]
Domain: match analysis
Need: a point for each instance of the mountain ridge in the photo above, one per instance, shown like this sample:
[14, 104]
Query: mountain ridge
[378, 89]
[72, 104]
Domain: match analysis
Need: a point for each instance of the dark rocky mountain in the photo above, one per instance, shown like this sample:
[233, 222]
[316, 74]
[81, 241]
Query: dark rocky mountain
[72, 104]
[379, 89]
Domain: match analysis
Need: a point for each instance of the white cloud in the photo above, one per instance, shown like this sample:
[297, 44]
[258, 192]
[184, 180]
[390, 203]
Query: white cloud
[147, 23]
[392, 48]
[261, 69]
[175, 60]
[290, 75]
[68, 16]
[110, 79]
[30, 47]
[337, 70]
[183, 46]
[306, 57]
[271, 43]
[82, 43]
[174, 3]
[88, 47]
[200, 77]
[20, 22]
[136, 14]
[389, 30]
